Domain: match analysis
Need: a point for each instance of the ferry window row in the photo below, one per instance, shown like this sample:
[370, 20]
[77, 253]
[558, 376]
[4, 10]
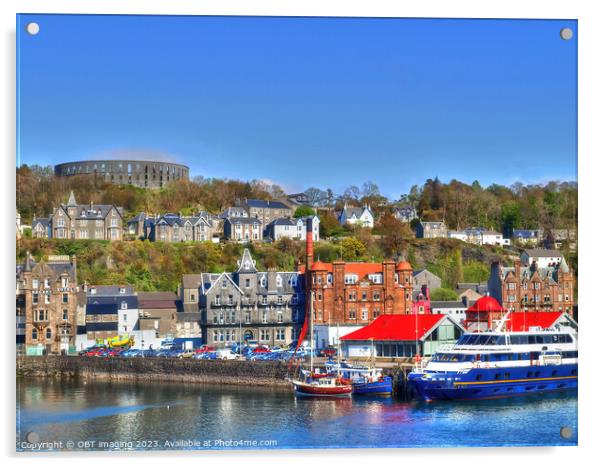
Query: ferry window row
[540, 339]
[496, 357]
[483, 339]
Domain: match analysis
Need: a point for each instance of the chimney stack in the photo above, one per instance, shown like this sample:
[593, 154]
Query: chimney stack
[309, 244]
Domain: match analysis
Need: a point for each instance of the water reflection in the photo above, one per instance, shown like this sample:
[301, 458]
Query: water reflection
[130, 412]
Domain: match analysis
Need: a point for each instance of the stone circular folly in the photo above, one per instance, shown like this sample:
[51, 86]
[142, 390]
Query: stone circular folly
[141, 173]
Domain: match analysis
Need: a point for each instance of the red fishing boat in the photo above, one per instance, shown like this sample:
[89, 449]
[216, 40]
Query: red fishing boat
[322, 385]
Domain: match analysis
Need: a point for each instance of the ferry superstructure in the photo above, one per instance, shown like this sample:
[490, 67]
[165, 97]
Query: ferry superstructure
[499, 364]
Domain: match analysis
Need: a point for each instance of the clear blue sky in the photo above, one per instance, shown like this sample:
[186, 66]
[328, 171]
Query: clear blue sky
[325, 102]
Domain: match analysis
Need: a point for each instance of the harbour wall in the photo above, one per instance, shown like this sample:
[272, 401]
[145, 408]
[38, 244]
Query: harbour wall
[249, 373]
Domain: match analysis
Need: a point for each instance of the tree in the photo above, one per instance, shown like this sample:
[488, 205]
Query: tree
[394, 234]
[316, 197]
[443, 294]
[352, 248]
[329, 226]
[304, 211]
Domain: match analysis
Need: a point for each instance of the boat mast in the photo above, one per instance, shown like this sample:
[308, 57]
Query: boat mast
[311, 323]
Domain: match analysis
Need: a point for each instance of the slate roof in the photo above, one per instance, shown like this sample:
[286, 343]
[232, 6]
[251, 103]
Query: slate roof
[283, 222]
[447, 305]
[261, 204]
[110, 290]
[525, 234]
[243, 220]
[45, 222]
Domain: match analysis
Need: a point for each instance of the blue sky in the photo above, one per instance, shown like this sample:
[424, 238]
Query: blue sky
[325, 102]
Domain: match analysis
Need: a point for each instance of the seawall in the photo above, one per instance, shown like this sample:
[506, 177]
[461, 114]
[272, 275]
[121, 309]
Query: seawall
[249, 373]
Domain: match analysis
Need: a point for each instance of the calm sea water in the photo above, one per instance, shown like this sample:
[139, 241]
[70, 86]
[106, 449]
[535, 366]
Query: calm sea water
[177, 416]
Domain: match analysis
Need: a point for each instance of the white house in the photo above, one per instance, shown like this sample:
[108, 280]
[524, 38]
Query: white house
[493, 238]
[461, 235]
[542, 257]
[454, 309]
[330, 335]
[360, 216]
[293, 228]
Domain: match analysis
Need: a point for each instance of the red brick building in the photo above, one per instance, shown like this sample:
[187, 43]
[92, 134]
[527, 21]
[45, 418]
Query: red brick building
[530, 288]
[356, 293]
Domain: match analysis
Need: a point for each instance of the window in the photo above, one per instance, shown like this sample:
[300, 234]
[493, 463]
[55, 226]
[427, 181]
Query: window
[364, 314]
[352, 313]
[192, 297]
[64, 282]
[264, 334]
[247, 283]
[46, 299]
[217, 300]
[280, 317]
[65, 314]
[48, 333]
[34, 334]
[124, 305]
[278, 280]
[279, 301]
[224, 283]
[65, 298]
[264, 317]
[35, 283]
[247, 317]
[376, 296]
[34, 298]
[46, 283]
[280, 334]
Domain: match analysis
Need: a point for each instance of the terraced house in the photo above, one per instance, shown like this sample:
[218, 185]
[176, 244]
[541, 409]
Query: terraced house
[49, 298]
[530, 288]
[81, 221]
[266, 211]
[174, 228]
[248, 305]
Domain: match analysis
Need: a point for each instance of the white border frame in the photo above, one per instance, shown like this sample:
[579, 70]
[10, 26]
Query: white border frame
[590, 153]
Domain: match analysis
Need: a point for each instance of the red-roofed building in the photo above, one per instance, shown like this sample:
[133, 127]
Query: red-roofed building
[402, 335]
[354, 293]
[484, 314]
[523, 321]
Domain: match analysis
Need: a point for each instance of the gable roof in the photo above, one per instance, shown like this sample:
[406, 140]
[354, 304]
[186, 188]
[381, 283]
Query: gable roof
[246, 264]
[398, 327]
[522, 321]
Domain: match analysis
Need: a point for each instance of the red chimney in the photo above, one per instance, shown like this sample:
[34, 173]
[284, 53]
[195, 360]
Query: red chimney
[309, 244]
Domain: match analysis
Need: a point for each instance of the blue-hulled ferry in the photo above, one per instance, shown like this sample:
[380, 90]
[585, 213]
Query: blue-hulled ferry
[500, 364]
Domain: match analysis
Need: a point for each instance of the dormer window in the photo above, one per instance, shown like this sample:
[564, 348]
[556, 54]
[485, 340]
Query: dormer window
[224, 283]
[92, 290]
[124, 305]
[278, 280]
[122, 290]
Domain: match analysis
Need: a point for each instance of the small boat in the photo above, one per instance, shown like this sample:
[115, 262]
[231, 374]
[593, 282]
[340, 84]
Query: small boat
[311, 384]
[365, 380]
[314, 382]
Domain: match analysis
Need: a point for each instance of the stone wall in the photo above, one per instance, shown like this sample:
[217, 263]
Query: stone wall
[254, 373]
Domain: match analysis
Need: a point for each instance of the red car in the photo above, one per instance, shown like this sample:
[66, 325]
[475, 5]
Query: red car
[261, 349]
[95, 352]
[112, 352]
[205, 349]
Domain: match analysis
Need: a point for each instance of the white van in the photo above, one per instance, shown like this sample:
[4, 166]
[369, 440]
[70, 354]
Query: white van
[226, 353]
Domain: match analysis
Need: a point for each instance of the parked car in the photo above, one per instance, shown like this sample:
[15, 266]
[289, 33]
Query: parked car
[261, 349]
[205, 349]
[187, 353]
[226, 353]
[329, 352]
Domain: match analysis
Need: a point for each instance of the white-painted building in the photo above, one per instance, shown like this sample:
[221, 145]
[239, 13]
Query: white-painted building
[360, 216]
[454, 309]
[293, 228]
[461, 235]
[542, 257]
[329, 335]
